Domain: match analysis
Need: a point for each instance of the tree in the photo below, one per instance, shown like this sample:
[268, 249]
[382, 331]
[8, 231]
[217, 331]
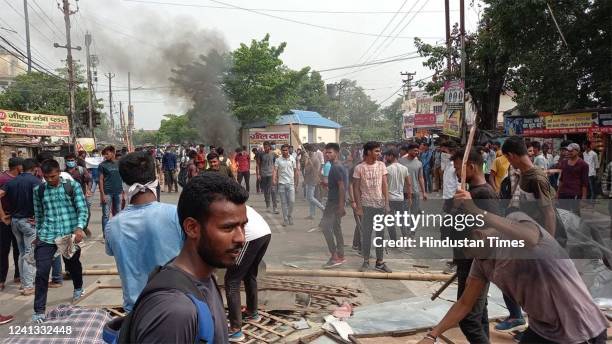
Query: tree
[149, 137]
[312, 95]
[176, 129]
[394, 116]
[544, 73]
[259, 85]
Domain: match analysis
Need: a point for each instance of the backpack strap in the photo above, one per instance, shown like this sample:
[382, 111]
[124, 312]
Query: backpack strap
[162, 278]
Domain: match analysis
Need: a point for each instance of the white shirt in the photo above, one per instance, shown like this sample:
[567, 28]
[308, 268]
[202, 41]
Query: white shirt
[540, 161]
[285, 170]
[450, 182]
[257, 226]
[591, 158]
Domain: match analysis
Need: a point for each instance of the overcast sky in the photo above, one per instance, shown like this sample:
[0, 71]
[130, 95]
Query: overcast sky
[128, 35]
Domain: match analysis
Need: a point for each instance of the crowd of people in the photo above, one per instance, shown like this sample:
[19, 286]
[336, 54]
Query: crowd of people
[172, 295]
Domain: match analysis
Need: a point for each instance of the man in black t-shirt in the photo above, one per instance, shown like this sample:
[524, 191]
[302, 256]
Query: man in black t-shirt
[334, 208]
[475, 325]
[212, 213]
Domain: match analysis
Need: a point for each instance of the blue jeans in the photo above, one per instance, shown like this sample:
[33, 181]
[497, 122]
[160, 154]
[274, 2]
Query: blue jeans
[56, 270]
[428, 179]
[287, 198]
[112, 206]
[312, 201]
[25, 233]
[592, 189]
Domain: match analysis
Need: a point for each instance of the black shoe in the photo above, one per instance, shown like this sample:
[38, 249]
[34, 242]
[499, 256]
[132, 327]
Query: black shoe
[382, 267]
[364, 267]
[284, 223]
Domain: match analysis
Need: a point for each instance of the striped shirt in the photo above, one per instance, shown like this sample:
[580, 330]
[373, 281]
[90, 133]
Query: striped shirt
[56, 216]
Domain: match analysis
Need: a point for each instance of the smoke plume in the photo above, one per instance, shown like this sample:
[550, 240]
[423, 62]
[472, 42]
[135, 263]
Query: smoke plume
[179, 58]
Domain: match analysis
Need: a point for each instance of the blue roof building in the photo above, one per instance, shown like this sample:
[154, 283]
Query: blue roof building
[302, 127]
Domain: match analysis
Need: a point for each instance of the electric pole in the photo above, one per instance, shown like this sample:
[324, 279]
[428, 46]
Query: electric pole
[121, 121]
[110, 77]
[408, 83]
[448, 36]
[75, 123]
[130, 112]
[89, 85]
[27, 25]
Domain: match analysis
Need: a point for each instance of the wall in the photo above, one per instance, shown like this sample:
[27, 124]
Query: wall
[505, 104]
[326, 135]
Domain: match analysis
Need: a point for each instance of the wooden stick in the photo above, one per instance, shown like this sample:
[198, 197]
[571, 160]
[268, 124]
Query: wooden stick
[444, 286]
[466, 154]
[354, 274]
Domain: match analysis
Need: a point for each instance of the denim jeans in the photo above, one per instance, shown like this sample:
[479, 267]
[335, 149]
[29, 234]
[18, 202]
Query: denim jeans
[312, 201]
[367, 228]
[56, 270]
[268, 190]
[25, 233]
[44, 260]
[112, 206]
[428, 178]
[332, 229]
[287, 198]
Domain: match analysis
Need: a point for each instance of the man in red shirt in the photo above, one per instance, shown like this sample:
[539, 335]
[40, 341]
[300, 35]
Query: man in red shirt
[243, 159]
[7, 238]
[574, 180]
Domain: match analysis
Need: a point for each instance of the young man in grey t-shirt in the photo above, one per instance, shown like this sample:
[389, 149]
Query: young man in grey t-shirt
[265, 170]
[539, 276]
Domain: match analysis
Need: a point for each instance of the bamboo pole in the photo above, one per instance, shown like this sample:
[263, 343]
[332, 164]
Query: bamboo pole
[354, 274]
[415, 276]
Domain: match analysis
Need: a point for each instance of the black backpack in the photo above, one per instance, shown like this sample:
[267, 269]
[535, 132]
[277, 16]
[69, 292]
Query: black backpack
[67, 188]
[119, 330]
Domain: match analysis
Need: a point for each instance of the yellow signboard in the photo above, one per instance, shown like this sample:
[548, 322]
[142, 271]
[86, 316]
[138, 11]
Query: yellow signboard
[452, 123]
[569, 121]
[86, 143]
[23, 123]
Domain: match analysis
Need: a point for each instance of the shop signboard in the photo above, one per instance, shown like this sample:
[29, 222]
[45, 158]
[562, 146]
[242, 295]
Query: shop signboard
[453, 107]
[424, 120]
[408, 125]
[33, 124]
[258, 136]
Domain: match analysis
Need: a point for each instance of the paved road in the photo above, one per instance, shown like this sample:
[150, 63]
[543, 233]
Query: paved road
[301, 245]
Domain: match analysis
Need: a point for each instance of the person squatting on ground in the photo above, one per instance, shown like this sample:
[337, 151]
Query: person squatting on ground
[372, 199]
[213, 214]
[61, 214]
[257, 236]
[144, 227]
[334, 207]
[286, 178]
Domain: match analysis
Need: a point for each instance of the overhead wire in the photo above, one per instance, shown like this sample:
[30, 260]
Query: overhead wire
[271, 9]
[33, 26]
[53, 31]
[35, 52]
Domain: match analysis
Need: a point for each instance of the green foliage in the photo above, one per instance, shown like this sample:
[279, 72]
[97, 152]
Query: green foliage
[176, 129]
[259, 85]
[518, 47]
[312, 95]
[394, 116]
[149, 137]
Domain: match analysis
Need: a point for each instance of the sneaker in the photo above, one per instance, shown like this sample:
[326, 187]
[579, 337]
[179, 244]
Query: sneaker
[511, 325]
[55, 285]
[284, 223]
[356, 248]
[255, 317]
[275, 211]
[27, 291]
[38, 318]
[364, 267]
[6, 319]
[76, 295]
[382, 267]
[237, 336]
[333, 262]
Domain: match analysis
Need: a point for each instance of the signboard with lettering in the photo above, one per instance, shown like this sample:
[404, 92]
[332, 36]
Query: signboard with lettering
[408, 125]
[452, 123]
[546, 124]
[424, 120]
[453, 107]
[23, 123]
[258, 136]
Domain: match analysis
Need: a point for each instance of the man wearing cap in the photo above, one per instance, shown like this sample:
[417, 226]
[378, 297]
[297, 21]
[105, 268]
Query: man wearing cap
[574, 179]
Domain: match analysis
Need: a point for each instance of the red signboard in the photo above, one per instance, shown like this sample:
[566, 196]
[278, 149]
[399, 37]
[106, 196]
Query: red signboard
[425, 120]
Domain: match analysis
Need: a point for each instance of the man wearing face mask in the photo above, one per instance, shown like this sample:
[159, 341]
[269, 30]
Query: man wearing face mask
[81, 176]
[144, 226]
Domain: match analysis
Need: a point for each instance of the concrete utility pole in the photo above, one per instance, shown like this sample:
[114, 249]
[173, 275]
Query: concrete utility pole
[27, 25]
[75, 123]
[89, 85]
[408, 83]
[110, 77]
[130, 124]
[448, 37]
